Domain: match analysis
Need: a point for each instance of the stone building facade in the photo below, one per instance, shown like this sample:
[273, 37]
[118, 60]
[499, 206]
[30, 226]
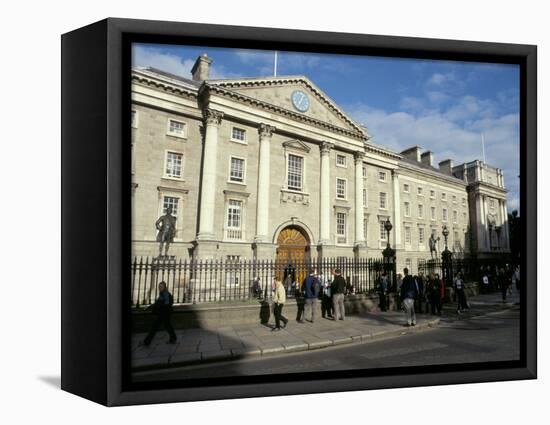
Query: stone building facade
[273, 168]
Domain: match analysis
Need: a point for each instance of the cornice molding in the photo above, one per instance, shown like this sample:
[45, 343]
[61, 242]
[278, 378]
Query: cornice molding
[241, 98]
[281, 81]
[165, 86]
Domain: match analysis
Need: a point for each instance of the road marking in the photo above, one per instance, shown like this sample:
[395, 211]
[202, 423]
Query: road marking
[404, 350]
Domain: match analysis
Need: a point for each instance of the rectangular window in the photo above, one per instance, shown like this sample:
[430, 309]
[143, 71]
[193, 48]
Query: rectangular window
[463, 202]
[173, 166]
[341, 224]
[383, 204]
[456, 240]
[170, 201]
[341, 188]
[234, 220]
[295, 171]
[406, 188]
[445, 214]
[365, 227]
[407, 235]
[364, 197]
[176, 128]
[340, 160]
[455, 216]
[454, 199]
[364, 172]
[443, 196]
[407, 208]
[465, 218]
[408, 264]
[421, 236]
[238, 134]
[420, 211]
[383, 234]
[134, 119]
[432, 194]
[236, 173]
[382, 176]
[432, 209]
[492, 204]
[420, 191]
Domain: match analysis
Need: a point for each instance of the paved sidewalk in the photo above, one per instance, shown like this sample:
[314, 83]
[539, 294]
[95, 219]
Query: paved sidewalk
[243, 341]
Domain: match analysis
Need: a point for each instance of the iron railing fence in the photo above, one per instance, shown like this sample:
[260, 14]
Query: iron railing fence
[214, 280]
[472, 269]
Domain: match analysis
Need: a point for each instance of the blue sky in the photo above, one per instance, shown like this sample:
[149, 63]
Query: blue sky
[442, 106]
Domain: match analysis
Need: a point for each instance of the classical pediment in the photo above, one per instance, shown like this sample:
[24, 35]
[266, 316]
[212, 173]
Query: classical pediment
[296, 145]
[309, 101]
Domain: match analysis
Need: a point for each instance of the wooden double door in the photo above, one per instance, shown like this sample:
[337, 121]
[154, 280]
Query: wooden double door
[293, 248]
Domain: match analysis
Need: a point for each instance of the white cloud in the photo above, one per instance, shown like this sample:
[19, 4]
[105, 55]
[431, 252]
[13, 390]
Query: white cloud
[447, 136]
[174, 64]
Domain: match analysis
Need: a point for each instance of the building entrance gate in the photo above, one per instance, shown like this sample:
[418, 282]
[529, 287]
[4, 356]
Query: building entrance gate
[293, 249]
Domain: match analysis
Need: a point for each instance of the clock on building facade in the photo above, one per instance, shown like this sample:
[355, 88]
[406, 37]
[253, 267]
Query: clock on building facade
[300, 100]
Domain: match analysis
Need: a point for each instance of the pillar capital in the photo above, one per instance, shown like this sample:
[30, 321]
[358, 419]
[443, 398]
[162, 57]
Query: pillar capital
[358, 157]
[325, 147]
[213, 117]
[395, 173]
[266, 130]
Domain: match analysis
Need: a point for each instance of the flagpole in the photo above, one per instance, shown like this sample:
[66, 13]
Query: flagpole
[483, 146]
[275, 64]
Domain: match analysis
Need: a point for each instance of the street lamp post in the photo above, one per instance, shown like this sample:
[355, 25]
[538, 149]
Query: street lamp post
[389, 254]
[446, 256]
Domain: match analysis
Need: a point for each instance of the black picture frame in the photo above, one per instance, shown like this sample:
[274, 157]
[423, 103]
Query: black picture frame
[96, 209]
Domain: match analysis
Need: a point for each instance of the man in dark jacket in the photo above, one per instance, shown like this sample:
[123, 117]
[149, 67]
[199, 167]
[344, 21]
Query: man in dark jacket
[409, 292]
[338, 288]
[162, 310]
[311, 293]
[382, 292]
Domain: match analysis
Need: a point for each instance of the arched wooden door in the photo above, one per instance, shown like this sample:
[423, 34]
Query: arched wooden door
[293, 249]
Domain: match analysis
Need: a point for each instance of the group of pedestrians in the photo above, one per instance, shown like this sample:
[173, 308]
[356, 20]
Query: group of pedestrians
[416, 294]
[315, 287]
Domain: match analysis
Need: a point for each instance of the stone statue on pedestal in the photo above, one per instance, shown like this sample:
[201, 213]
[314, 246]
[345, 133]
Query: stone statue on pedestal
[433, 246]
[166, 226]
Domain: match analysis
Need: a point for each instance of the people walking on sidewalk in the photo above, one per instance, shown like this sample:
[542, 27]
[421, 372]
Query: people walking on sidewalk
[503, 283]
[279, 299]
[420, 297]
[434, 294]
[326, 297]
[338, 288]
[409, 292]
[162, 310]
[458, 285]
[311, 294]
[383, 292]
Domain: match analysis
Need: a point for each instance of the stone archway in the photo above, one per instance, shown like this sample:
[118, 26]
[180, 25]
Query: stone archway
[293, 247]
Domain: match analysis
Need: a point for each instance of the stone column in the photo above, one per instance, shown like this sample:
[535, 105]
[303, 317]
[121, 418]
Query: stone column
[262, 210]
[480, 223]
[487, 233]
[396, 210]
[208, 179]
[505, 227]
[324, 194]
[359, 208]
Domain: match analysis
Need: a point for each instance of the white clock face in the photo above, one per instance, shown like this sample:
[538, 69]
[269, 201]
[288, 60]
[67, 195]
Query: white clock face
[300, 100]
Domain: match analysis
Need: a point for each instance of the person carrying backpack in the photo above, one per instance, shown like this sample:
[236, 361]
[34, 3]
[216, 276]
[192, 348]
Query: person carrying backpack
[162, 310]
[409, 292]
[311, 294]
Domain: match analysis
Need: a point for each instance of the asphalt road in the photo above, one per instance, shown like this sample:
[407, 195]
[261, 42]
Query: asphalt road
[494, 337]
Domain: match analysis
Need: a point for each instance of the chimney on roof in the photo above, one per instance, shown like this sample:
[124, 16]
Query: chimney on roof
[427, 158]
[201, 69]
[412, 153]
[446, 167]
